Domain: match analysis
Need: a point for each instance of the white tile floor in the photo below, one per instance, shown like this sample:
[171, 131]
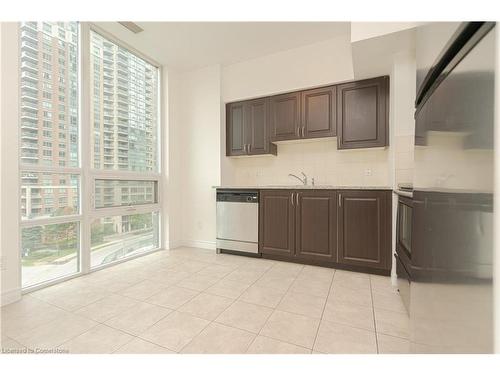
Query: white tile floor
[195, 301]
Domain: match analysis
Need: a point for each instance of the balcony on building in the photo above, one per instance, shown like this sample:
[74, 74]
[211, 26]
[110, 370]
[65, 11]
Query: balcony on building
[30, 46]
[29, 134]
[29, 34]
[29, 55]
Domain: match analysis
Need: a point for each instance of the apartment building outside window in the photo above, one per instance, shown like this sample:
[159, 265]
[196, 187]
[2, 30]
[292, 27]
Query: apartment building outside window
[50, 241]
[122, 170]
[124, 149]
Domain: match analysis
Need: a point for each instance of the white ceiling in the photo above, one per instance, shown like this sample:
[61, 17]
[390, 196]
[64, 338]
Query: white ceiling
[191, 45]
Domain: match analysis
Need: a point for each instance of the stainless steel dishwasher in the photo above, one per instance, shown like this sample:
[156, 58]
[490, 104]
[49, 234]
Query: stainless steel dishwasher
[238, 221]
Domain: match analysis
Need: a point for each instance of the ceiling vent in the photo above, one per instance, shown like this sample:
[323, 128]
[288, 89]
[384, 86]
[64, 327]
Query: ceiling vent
[135, 28]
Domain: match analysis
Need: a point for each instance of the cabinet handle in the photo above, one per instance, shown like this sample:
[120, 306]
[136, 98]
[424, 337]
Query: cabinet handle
[298, 131]
[297, 199]
[293, 204]
[249, 148]
[303, 131]
[340, 200]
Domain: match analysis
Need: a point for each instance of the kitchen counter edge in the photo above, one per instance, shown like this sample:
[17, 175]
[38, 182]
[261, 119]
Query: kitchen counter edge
[403, 193]
[300, 187]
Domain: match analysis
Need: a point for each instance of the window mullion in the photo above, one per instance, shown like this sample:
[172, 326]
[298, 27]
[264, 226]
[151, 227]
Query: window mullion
[50, 220]
[125, 210]
[48, 169]
[85, 136]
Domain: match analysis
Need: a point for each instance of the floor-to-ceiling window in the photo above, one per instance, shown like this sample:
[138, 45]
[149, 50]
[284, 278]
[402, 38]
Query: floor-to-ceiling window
[50, 175]
[121, 172]
[124, 152]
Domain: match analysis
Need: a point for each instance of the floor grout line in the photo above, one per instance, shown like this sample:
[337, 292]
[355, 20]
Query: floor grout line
[151, 342]
[323, 312]
[236, 299]
[210, 321]
[274, 310]
[374, 319]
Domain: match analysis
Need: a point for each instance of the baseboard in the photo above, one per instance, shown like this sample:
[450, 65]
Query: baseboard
[199, 243]
[174, 244]
[191, 243]
[10, 296]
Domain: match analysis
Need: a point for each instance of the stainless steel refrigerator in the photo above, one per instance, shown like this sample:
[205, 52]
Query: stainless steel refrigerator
[451, 293]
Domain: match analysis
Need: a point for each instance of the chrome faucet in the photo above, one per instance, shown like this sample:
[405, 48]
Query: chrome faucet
[304, 181]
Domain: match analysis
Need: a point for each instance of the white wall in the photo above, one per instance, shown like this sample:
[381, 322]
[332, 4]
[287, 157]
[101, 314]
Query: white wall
[404, 81]
[367, 30]
[194, 132]
[172, 179]
[9, 173]
[316, 64]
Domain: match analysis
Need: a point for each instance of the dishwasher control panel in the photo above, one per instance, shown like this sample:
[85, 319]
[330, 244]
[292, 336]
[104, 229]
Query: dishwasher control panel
[238, 196]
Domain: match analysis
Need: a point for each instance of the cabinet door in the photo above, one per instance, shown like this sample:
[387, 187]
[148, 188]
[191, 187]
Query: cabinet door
[257, 127]
[364, 219]
[277, 224]
[235, 129]
[362, 113]
[319, 114]
[316, 225]
[285, 116]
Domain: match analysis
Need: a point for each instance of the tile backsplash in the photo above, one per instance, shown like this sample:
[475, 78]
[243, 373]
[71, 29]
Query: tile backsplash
[404, 158]
[319, 159]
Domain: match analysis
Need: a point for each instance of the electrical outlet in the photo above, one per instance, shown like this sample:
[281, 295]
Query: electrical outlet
[368, 172]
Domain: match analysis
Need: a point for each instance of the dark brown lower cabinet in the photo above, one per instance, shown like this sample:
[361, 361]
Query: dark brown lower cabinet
[316, 225]
[348, 229]
[364, 228]
[277, 222]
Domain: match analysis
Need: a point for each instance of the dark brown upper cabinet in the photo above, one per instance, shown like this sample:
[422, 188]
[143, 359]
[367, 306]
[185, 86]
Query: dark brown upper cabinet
[357, 113]
[316, 225]
[257, 127]
[247, 128]
[319, 113]
[364, 228]
[235, 129]
[285, 117]
[362, 113]
[277, 222]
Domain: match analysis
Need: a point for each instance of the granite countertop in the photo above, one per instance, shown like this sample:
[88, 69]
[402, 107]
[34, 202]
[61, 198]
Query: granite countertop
[302, 187]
